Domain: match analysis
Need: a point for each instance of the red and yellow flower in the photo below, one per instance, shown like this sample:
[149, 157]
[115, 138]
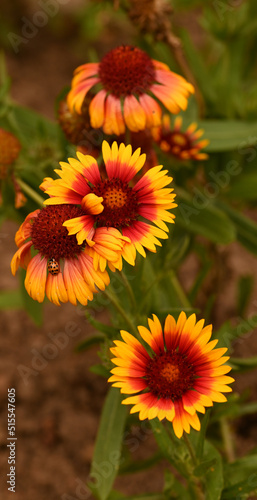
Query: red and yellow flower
[184, 145]
[56, 265]
[128, 79]
[137, 212]
[179, 374]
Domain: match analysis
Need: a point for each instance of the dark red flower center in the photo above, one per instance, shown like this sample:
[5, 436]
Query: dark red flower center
[170, 375]
[126, 70]
[119, 201]
[50, 237]
[176, 142]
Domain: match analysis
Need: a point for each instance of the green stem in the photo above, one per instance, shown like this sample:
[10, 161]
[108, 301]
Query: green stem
[128, 289]
[190, 449]
[227, 439]
[121, 311]
[179, 290]
[195, 483]
[30, 192]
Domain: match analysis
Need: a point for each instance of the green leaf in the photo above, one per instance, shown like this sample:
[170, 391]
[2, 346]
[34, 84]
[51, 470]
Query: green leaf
[198, 65]
[214, 475]
[228, 333]
[201, 435]
[246, 229]
[227, 135]
[245, 288]
[102, 327]
[239, 490]
[199, 281]
[244, 188]
[137, 465]
[243, 364]
[116, 495]
[147, 496]
[101, 370]
[173, 488]
[11, 300]
[240, 477]
[199, 216]
[234, 409]
[106, 458]
[172, 449]
[89, 342]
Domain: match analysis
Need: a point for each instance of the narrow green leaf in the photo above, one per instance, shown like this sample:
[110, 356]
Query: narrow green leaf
[106, 458]
[199, 67]
[244, 188]
[116, 495]
[214, 475]
[198, 215]
[99, 369]
[240, 477]
[148, 496]
[246, 229]
[228, 333]
[245, 288]
[204, 467]
[171, 449]
[102, 327]
[135, 466]
[240, 489]
[228, 135]
[173, 488]
[89, 342]
[199, 281]
[201, 435]
[243, 364]
[11, 300]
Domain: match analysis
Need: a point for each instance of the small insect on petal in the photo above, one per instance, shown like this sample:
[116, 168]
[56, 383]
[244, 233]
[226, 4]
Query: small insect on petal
[53, 267]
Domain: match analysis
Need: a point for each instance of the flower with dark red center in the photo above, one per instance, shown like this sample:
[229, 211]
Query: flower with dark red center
[113, 201]
[57, 265]
[182, 145]
[180, 374]
[130, 84]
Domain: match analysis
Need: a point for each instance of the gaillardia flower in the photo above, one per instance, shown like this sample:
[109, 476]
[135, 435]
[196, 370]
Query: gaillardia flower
[178, 374]
[111, 203]
[130, 82]
[55, 263]
[182, 145]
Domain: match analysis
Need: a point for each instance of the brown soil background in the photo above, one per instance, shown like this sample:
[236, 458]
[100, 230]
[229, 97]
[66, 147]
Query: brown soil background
[58, 410]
